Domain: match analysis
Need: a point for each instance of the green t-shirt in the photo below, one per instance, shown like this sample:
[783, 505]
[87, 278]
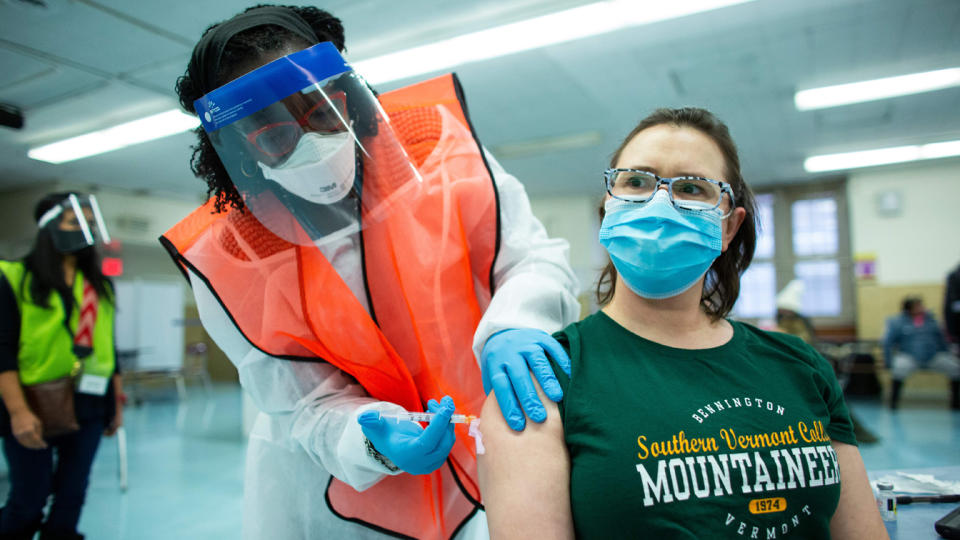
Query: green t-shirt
[728, 442]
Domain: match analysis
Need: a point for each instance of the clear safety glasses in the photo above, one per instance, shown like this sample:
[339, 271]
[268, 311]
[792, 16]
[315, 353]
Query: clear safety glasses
[687, 192]
[306, 111]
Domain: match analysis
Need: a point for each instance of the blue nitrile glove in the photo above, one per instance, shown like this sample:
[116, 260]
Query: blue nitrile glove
[410, 447]
[506, 361]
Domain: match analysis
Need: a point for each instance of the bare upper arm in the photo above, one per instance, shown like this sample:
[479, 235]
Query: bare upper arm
[857, 515]
[525, 476]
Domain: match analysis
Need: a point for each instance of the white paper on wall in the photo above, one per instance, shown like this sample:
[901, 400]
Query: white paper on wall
[149, 323]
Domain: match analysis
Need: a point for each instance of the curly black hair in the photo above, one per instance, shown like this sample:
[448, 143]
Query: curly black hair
[251, 43]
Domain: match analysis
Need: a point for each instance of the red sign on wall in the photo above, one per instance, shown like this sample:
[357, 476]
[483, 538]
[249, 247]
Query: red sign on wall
[112, 266]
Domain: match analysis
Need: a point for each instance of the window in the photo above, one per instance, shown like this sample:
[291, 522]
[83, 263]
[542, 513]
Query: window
[821, 287]
[765, 237]
[803, 235]
[758, 285]
[814, 227]
[815, 234]
[758, 292]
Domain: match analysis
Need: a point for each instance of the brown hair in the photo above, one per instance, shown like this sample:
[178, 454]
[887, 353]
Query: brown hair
[722, 284]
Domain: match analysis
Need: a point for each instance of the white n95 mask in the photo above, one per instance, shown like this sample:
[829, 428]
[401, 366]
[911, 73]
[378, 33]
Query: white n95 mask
[320, 169]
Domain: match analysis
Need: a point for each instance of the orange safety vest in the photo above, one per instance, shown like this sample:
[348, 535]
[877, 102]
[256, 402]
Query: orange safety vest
[429, 272]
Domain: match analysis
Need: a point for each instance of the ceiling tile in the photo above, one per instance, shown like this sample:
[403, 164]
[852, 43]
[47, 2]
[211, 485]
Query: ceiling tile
[86, 36]
[29, 83]
[85, 64]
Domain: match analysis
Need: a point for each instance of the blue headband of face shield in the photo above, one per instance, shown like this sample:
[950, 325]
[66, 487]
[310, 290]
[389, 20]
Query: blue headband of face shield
[269, 84]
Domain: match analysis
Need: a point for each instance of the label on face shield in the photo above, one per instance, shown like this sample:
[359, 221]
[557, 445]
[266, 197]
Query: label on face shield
[269, 84]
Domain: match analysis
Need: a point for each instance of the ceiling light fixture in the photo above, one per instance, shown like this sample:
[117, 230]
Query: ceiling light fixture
[562, 26]
[112, 138]
[881, 156]
[567, 25]
[887, 87]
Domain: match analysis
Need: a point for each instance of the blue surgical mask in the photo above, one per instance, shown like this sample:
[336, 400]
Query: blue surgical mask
[659, 250]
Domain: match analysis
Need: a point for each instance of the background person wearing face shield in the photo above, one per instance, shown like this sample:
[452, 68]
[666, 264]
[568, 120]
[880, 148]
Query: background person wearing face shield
[677, 422]
[58, 376]
[355, 256]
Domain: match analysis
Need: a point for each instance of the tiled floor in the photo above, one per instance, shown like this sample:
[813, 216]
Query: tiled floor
[186, 462]
[185, 471]
[923, 432]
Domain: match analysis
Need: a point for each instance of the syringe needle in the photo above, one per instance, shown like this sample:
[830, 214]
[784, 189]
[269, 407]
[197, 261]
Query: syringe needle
[427, 417]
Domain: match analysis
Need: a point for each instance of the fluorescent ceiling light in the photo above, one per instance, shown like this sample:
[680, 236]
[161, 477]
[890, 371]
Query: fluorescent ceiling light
[888, 87]
[568, 25]
[105, 140]
[881, 156]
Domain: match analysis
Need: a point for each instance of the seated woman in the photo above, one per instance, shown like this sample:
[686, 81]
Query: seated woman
[677, 422]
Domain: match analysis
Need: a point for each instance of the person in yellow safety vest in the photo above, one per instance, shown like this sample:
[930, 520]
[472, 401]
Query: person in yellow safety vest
[360, 255]
[58, 375]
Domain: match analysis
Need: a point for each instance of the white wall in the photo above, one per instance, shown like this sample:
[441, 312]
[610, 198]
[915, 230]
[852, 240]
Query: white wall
[575, 219]
[141, 220]
[150, 321]
[19, 228]
[922, 243]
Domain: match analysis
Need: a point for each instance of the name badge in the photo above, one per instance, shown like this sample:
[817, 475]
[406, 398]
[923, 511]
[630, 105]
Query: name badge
[93, 384]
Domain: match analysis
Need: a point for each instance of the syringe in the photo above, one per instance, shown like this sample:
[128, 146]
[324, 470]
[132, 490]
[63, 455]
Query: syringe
[472, 422]
[426, 417]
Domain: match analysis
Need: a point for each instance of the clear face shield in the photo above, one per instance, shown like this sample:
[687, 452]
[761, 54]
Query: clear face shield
[75, 223]
[301, 138]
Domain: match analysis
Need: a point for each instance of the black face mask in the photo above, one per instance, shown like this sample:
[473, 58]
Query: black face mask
[69, 241]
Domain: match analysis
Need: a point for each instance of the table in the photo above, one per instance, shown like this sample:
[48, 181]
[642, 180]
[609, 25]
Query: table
[915, 521]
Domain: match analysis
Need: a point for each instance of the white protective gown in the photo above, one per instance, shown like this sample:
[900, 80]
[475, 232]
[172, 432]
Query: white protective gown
[307, 428]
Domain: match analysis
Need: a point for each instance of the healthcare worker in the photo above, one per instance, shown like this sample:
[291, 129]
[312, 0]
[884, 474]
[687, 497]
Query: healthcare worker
[355, 255]
[58, 377]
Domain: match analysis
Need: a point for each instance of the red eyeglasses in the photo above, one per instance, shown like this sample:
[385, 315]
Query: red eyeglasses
[280, 138]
